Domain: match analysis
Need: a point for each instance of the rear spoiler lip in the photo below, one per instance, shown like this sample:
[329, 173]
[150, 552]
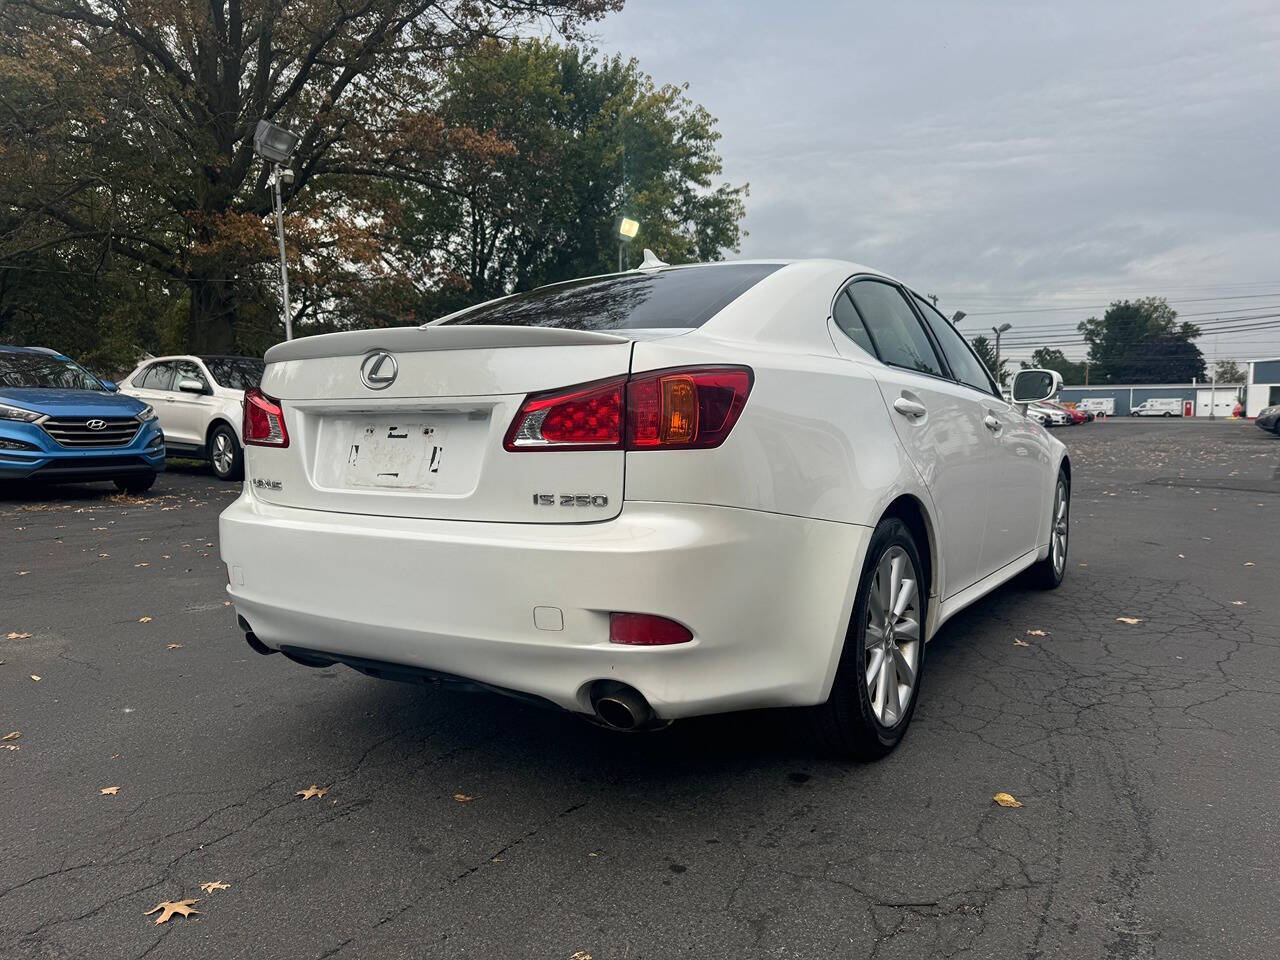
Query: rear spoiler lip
[357, 343]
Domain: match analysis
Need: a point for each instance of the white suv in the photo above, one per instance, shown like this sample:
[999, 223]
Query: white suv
[200, 403]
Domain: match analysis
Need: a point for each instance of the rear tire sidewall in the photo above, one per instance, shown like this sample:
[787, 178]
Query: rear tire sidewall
[847, 723]
[236, 470]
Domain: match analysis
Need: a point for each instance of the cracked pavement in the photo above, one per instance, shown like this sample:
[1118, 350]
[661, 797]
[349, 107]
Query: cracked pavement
[1146, 757]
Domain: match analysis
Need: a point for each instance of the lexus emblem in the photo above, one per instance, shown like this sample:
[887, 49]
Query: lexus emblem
[379, 369]
[96, 424]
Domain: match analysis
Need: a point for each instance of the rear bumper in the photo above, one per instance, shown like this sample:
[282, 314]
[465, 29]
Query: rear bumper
[766, 596]
[40, 457]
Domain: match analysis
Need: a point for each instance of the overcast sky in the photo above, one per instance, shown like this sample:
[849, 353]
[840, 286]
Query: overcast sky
[1004, 155]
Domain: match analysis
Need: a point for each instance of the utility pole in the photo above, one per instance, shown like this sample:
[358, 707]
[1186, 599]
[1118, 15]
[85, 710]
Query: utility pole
[1086, 371]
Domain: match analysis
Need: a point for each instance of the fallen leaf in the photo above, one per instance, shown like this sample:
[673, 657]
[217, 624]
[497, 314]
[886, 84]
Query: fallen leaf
[109, 791]
[1250, 563]
[1182, 556]
[180, 907]
[215, 885]
[104, 556]
[462, 798]
[1018, 641]
[10, 746]
[18, 636]
[1238, 603]
[312, 791]
[139, 565]
[1036, 633]
[1129, 620]
[35, 678]
[12, 736]
[175, 646]
[144, 619]
[581, 955]
[23, 573]
[226, 603]
[1006, 800]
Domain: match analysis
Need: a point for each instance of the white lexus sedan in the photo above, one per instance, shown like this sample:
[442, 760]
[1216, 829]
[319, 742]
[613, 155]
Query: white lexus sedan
[647, 496]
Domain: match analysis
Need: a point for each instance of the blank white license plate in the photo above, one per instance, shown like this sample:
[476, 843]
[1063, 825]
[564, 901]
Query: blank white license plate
[397, 454]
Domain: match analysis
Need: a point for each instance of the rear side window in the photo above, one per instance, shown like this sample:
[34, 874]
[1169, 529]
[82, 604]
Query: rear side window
[683, 297]
[964, 363]
[847, 319]
[894, 327]
[159, 376]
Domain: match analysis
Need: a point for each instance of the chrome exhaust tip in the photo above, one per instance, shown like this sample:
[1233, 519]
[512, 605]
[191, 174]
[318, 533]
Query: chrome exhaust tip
[620, 707]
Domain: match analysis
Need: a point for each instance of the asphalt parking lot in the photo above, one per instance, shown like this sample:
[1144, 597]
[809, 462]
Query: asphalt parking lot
[1145, 755]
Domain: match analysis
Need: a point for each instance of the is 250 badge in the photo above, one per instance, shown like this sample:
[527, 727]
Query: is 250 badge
[569, 500]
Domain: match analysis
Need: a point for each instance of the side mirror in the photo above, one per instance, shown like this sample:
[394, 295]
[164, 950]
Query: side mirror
[108, 385]
[191, 386]
[1033, 386]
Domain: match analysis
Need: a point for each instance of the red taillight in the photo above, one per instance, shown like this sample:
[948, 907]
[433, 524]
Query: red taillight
[646, 630]
[263, 420]
[692, 408]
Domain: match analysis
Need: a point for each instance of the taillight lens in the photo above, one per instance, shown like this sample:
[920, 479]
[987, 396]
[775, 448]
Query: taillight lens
[646, 630]
[691, 408]
[263, 420]
[587, 417]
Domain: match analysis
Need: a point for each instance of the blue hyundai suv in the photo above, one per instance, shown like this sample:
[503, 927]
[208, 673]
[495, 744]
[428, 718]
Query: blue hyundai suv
[60, 422]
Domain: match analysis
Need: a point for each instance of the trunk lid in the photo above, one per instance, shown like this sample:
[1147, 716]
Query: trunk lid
[410, 423]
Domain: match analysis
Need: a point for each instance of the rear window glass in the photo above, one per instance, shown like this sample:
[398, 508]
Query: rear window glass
[686, 297]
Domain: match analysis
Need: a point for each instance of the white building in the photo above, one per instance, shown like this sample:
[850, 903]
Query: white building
[1263, 385]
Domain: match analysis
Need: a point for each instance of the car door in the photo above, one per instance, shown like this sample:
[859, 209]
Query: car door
[190, 412]
[1019, 464]
[151, 385]
[938, 421]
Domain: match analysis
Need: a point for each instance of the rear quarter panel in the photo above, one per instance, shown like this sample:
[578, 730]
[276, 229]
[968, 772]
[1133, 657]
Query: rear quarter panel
[814, 439]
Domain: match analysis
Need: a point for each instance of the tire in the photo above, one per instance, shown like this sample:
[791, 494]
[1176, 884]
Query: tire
[135, 483]
[1166, 414]
[225, 453]
[849, 724]
[1047, 574]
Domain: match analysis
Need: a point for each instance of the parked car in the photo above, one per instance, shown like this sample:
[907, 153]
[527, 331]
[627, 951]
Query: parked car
[647, 496]
[200, 403]
[60, 422]
[1158, 407]
[1269, 419]
[1074, 416]
[1049, 415]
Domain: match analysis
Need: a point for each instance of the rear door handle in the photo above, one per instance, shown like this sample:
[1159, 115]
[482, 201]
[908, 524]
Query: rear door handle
[909, 408]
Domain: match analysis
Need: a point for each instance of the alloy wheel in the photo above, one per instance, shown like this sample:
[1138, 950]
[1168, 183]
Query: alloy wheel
[223, 453]
[1059, 536]
[893, 643]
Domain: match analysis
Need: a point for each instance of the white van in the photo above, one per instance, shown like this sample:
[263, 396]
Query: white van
[1097, 405]
[1158, 407]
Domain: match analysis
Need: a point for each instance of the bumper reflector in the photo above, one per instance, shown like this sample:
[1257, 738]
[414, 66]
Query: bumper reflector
[646, 630]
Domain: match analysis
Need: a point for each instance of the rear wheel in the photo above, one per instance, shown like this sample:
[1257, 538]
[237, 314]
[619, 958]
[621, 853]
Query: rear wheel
[873, 696]
[135, 483]
[1047, 574]
[225, 453]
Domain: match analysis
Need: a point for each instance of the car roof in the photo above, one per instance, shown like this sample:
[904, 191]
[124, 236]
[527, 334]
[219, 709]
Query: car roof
[43, 351]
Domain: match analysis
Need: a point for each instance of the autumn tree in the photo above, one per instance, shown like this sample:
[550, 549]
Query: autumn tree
[572, 140]
[126, 128]
[1141, 341]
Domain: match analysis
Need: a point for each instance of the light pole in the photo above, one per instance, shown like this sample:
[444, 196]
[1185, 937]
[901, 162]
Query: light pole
[275, 145]
[627, 230]
[997, 331]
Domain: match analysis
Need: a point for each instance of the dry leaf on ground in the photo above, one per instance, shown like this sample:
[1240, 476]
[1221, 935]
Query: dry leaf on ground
[462, 798]
[1250, 563]
[138, 565]
[1006, 800]
[1036, 633]
[180, 907]
[581, 955]
[35, 677]
[1019, 642]
[144, 619]
[1129, 620]
[109, 791]
[18, 636]
[1238, 603]
[312, 791]
[175, 646]
[23, 573]
[12, 736]
[215, 885]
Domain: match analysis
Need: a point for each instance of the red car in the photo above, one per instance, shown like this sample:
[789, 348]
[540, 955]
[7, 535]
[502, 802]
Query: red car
[1077, 416]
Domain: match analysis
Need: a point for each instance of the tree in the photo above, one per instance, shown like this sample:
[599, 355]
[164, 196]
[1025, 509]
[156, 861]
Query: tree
[986, 351]
[1051, 358]
[572, 141]
[1140, 341]
[127, 126]
[1227, 371]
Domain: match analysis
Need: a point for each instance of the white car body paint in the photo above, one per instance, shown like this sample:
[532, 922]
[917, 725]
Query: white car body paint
[186, 418]
[756, 545]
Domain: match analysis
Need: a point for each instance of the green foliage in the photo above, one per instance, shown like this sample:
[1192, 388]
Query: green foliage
[985, 348]
[1228, 371]
[571, 140]
[1141, 341]
[1051, 358]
